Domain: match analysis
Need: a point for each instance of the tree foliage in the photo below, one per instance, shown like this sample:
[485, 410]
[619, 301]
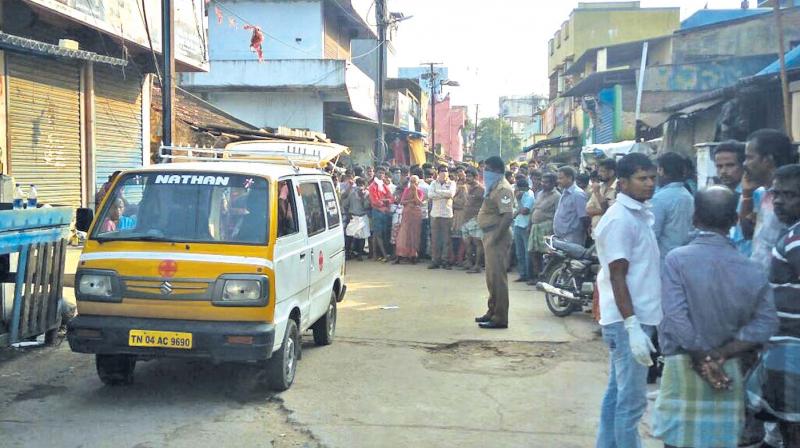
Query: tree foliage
[491, 131]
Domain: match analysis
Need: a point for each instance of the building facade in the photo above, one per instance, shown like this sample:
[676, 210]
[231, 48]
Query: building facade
[524, 114]
[305, 73]
[578, 48]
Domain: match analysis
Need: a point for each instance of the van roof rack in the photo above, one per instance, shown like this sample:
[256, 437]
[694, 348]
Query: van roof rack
[296, 154]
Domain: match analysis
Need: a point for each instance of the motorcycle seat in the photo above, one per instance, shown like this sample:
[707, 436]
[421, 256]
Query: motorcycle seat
[573, 250]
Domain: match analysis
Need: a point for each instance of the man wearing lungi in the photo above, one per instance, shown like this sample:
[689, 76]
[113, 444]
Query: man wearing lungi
[711, 316]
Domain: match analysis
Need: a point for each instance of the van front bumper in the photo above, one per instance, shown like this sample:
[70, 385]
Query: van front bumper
[209, 339]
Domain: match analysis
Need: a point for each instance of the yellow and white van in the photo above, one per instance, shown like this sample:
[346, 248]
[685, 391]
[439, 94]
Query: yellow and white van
[228, 257]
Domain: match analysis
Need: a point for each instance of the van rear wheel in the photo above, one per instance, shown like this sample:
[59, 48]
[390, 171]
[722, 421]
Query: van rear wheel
[282, 367]
[325, 328]
[115, 370]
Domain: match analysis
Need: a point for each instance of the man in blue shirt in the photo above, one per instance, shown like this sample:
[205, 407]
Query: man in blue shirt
[571, 221]
[729, 161]
[522, 226]
[673, 205]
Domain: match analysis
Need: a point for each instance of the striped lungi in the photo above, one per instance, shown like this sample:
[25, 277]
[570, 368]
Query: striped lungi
[538, 233]
[690, 413]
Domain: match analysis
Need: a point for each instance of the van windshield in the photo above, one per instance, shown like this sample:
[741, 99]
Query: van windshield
[185, 207]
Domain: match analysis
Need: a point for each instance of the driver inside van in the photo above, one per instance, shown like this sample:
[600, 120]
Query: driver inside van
[253, 228]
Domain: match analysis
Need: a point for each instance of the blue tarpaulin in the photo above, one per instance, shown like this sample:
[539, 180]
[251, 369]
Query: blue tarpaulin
[792, 62]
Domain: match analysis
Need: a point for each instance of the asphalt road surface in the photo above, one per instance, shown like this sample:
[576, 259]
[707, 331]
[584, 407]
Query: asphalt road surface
[408, 368]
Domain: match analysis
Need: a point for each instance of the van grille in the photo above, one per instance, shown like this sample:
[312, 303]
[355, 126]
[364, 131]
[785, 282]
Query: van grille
[166, 288]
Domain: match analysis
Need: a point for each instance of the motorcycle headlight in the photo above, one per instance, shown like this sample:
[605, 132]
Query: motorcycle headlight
[241, 290]
[98, 286]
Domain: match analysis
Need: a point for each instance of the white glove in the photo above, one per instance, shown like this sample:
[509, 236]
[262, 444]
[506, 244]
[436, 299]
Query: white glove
[640, 342]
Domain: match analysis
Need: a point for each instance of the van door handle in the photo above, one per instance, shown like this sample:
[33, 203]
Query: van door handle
[302, 257]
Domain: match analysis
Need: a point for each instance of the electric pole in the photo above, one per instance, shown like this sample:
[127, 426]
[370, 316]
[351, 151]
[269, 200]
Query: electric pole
[380, 19]
[168, 78]
[475, 136]
[431, 76]
[500, 120]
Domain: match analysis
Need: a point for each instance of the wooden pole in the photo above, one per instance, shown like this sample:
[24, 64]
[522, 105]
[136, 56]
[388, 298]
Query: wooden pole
[787, 106]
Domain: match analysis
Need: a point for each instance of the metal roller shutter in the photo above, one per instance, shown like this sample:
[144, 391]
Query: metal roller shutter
[604, 129]
[118, 121]
[44, 127]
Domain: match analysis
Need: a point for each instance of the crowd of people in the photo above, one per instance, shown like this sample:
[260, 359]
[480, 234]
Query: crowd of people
[709, 279]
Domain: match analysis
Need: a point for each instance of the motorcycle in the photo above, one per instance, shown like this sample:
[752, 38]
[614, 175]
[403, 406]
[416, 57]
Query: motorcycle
[569, 276]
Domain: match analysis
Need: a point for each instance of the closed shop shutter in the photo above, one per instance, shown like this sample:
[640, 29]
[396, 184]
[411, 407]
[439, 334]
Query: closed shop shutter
[604, 128]
[44, 126]
[118, 121]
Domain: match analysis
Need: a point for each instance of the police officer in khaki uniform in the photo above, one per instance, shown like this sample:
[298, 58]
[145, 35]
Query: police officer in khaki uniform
[494, 219]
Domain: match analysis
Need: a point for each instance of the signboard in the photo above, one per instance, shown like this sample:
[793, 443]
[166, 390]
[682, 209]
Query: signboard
[126, 20]
[403, 112]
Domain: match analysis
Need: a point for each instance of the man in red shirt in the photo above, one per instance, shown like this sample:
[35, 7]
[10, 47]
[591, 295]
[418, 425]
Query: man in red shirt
[381, 198]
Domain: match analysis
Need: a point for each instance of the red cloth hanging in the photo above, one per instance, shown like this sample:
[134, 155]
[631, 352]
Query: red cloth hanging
[256, 40]
[218, 13]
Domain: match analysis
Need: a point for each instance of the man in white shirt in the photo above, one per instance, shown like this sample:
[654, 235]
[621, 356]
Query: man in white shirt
[441, 193]
[630, 300]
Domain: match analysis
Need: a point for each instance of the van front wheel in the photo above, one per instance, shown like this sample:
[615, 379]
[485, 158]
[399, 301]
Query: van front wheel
[281, 368]
[325, 328]
[115, 370]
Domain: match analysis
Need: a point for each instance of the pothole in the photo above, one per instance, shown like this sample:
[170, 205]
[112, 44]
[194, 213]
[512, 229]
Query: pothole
[510, 358]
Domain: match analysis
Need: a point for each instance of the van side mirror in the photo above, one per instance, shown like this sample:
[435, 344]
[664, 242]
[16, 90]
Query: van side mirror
[83, 219]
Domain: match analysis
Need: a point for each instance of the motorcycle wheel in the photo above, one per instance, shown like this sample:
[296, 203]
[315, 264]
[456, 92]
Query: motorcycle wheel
[560, 277]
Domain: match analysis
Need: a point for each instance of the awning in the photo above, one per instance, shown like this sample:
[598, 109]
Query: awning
[599, 80]
[556, 141]
[29, 46]
[701, 102]
[654, 119]
[374, 124]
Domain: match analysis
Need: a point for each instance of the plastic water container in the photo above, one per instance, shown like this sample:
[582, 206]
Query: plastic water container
[33, 197]
[19, 198]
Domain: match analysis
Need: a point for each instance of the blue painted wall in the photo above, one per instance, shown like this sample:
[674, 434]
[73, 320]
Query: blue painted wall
[704, 76]
[282, 23]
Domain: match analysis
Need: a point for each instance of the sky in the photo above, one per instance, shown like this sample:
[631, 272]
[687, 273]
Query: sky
[494, 48]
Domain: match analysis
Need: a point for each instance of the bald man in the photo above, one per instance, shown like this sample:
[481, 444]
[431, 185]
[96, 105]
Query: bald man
[711, 317]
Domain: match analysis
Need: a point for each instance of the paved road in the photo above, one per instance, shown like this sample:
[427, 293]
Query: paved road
[421, 375]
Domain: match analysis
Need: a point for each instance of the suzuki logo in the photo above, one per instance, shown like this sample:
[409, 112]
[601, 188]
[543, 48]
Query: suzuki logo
[166, 288]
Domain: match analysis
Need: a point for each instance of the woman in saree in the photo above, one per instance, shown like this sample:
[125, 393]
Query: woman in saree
[408, 237]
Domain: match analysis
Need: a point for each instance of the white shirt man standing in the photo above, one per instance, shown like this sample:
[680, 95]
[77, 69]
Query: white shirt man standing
[630, 300]
[441, 193]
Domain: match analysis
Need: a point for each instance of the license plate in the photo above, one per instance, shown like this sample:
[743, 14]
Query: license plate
[165, 339]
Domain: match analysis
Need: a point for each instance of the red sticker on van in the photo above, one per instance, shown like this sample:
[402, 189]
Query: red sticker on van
[168, 268]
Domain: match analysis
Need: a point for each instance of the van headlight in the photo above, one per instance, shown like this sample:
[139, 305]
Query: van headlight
[241, 290]
[97, 286]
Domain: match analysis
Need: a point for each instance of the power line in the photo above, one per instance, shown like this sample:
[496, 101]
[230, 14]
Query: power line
[143, 13]
[222, 6]
[368, 52]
